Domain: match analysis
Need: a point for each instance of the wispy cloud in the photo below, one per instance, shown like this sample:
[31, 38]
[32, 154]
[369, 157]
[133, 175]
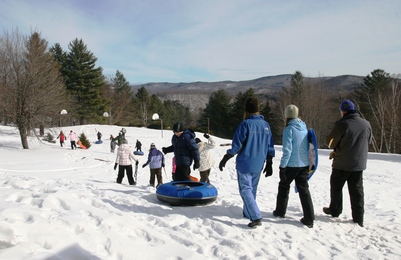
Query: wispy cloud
[184, 41]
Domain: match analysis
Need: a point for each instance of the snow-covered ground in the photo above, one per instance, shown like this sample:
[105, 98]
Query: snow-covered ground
[58, 203]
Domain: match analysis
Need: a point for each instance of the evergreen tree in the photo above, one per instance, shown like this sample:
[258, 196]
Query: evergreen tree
[216, 114]
[237, 109]
[85, 82]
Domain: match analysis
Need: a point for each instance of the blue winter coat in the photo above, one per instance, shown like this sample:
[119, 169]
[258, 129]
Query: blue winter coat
[295, 145]
[185, 148]
[252, 141]
[155, 159]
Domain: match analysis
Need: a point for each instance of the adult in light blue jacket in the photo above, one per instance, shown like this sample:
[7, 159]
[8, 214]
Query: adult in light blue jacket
[253, 144]
[294, 165]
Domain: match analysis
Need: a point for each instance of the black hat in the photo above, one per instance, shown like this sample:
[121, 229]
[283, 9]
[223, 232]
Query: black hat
[178, 127]
[251, 105]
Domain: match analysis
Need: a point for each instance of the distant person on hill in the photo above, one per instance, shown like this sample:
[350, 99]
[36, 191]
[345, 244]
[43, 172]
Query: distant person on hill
[185, 151]
[62, 138]
[99, 136]
[206, 160]
[113, 144]
[155, 162]
[350, 138]
[138, 146]
[73, 139]
[124, 161]
[294, 165]
[253, 142]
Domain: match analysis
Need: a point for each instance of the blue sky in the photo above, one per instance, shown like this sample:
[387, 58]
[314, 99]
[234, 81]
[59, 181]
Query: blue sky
[216, 40]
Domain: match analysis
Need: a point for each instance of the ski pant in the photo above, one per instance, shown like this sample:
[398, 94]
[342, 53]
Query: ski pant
[300, 175]
[156, 173]
[73, 145]
[248, 185]
[204, 176]
[182, 173]
[121, 170]
[354, 181]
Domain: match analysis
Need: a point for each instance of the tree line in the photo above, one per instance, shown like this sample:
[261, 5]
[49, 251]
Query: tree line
[38, 81]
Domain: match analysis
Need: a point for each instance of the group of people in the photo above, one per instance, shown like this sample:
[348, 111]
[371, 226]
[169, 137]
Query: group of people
[73, 139]
[189, 150]
[253, 144]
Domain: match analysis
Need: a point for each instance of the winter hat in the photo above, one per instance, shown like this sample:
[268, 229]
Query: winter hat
[251, 105]
[291, 111]
[197, 140]
[347, 105]
[152, 145]
[178, 127]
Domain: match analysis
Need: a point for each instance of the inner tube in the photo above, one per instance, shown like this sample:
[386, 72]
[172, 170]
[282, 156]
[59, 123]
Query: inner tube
[186, 193]
[138, 153]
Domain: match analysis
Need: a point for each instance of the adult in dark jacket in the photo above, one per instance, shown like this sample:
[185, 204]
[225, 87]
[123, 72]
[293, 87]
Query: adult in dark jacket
[253, 142]
[350, 138]
[185, 151]
[155, 162]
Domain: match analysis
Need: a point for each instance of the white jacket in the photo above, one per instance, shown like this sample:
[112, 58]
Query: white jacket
[206, 160]
[125, 155]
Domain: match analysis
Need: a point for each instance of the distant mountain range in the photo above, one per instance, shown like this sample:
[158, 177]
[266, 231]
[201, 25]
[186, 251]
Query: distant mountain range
[196, 94]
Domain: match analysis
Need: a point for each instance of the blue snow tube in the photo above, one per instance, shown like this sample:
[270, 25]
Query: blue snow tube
[186, 193]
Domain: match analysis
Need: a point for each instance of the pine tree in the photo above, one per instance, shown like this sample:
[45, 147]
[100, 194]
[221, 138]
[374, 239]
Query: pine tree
[216, 114]
[85, 82]
[84, 140]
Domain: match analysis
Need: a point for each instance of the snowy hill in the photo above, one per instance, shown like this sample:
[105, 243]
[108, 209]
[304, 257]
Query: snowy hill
[58, 203]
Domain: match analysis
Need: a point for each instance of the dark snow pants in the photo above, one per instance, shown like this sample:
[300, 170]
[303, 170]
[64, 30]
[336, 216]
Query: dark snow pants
[156, 173]
[120, 176]
[355, 188]
[300, 175]
[182, 172]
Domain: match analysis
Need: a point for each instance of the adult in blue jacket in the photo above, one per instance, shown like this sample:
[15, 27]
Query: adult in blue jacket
[253, 144]
[294, 165]
[185, 152]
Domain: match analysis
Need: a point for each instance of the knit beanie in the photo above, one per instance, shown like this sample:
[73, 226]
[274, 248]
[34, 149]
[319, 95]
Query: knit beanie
[347, 105]
[152, 145]
[251, 105]
[291, 111]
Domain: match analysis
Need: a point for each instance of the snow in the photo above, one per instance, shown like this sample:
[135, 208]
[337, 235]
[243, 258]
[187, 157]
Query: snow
[58, 203]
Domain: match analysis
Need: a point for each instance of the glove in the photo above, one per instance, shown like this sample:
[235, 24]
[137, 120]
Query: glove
[115, 166]
[143, 166]
[206, 136]
[332, 154]
[163, 165]
[268, 171]
[164, 149]
[223, 161]
[137, 162]
[196, 165]
[282, 172]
